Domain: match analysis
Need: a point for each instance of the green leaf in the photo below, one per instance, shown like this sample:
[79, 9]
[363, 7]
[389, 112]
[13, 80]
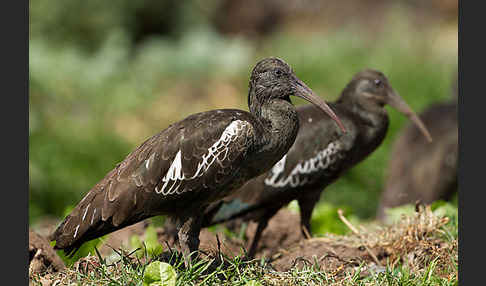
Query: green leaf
[159, 274]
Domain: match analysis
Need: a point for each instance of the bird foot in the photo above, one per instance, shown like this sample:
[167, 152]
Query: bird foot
[189, 239]
[189, 247]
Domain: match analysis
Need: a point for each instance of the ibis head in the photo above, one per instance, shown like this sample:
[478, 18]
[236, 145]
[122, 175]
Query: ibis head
[273, 79]
[371, 90]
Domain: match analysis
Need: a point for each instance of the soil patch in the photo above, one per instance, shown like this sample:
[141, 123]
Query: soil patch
[414, 242]
[121, 238]
[42, 256]
[283, 230]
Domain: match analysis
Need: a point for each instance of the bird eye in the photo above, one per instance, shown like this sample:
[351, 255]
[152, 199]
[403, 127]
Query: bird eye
[278, 72]
[378, 83]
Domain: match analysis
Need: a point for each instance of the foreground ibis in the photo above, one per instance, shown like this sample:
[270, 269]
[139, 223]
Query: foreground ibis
[319, 155]
[194, 162]
[419, 171]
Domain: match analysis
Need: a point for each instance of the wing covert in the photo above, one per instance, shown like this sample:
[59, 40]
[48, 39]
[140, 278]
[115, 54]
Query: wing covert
[191, 166]
[182, 158]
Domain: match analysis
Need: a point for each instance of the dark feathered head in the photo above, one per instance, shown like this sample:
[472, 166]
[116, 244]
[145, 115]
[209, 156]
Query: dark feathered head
[370, 90]
[273, 79]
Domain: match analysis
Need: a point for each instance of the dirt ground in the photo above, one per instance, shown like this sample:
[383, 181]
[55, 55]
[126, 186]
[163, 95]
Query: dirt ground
[408, 242]
[282, 231]
[41, 255]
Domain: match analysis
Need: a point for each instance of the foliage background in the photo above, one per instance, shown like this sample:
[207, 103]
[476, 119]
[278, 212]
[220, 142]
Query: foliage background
[105, 76]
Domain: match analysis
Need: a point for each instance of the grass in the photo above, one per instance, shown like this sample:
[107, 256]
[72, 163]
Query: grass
[238, 273]
[421, 250]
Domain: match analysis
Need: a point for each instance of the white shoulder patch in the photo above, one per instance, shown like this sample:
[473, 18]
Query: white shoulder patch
[173, 177]
[277, 169]
[216, 153]
[321, 161]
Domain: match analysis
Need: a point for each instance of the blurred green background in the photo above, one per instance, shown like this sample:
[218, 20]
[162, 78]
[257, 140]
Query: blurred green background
[104, 76]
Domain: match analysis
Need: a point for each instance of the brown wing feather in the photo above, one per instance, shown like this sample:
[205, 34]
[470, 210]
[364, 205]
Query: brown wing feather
[185, 164]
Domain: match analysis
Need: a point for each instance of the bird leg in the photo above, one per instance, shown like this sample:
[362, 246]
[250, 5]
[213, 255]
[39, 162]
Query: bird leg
[307, 204]
[262, 224]
[170, 228]
[189, 231]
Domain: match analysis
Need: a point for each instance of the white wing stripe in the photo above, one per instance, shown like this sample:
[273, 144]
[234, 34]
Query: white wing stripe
[220, 146]
[76, 231]
[321, 161]
[85, 212]
[92, 217]
[216, 153]
[173, 174]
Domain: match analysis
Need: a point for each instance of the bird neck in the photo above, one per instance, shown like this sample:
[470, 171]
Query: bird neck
[371, 118]
[278, 126]
[279, 118]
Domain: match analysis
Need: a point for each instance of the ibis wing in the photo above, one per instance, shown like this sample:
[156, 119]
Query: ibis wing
[197, 154]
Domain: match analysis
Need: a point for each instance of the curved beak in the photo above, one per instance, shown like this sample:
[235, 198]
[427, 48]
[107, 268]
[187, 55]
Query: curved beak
[397, 102]
[303, 91]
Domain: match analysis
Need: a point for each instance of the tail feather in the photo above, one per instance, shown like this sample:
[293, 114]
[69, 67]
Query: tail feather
[76, 227]
[86, 222]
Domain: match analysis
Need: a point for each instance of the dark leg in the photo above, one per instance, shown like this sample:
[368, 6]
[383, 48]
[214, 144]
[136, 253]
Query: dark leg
[189, 237]
[307, 203]
[262, 224]
[170, 228]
